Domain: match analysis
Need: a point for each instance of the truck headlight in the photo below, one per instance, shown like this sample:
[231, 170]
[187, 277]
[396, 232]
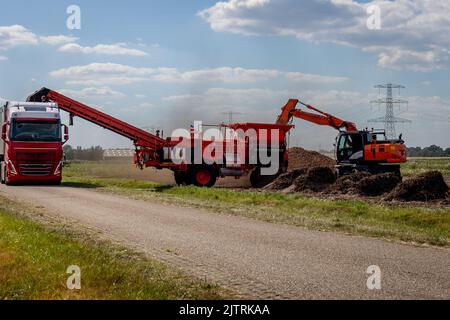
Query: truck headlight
[12, 169]
[58, 169]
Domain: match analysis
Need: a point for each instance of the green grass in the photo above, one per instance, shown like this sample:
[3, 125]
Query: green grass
[34, 260]
[417, 166]
[406, 222]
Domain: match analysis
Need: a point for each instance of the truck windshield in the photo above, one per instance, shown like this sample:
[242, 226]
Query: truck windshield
[36, 131]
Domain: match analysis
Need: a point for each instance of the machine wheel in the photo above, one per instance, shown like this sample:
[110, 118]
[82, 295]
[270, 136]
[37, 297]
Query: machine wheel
[259, 181]
[204, 176]
[380, 169]
[182, 178]
[346, 170]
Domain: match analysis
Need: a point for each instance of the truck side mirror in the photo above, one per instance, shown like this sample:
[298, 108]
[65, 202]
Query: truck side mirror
[66, 133]
[4, 131]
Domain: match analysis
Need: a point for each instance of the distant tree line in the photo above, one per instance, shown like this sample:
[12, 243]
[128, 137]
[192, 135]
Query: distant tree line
[89, 154]
[431, 151]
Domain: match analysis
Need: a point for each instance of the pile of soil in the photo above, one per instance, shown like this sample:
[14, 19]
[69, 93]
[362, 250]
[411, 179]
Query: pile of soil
[317, 179]
[348, 184]
[378, 185]
[311, 171]
[285, 180]
[300, 158]
[425, 187]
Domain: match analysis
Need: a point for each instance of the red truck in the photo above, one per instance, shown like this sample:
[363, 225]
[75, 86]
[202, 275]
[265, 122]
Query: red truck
[31, 143]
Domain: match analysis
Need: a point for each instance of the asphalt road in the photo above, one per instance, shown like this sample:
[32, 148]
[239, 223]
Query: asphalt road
[257, 259]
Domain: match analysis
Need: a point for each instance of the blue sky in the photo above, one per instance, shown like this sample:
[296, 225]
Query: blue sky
[164, 64]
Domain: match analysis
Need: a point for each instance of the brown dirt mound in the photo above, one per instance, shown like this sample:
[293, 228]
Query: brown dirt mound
[348, 184]
[300, 158]
[317, 179]
[285, 180]
[378, 185]
[425, 187]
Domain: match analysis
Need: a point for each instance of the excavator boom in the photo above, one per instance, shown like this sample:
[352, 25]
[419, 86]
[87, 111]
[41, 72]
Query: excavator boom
[289, 111]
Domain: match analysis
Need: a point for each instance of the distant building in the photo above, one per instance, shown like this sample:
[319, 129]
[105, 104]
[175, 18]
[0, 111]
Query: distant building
[114, 154]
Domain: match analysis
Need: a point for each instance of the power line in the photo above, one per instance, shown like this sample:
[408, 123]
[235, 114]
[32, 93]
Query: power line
[389, 120]
[231, 115]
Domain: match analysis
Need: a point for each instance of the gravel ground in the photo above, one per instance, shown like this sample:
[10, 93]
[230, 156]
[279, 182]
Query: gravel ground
[255, 258]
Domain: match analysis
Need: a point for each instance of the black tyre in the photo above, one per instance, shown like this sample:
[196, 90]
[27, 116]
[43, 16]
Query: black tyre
[55, 183]
[203, 176]
[258, 180]
[182, 178]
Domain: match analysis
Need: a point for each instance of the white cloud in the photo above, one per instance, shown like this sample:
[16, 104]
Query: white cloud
[147, 105]
[95, 74]
[146, 45]
[16, 35]
[415, 34]
[225, 74]
[98, 69]
[106, 49]
[3, 58]
[93, 92]
[56, 40]
[313, 78]
[424, 61]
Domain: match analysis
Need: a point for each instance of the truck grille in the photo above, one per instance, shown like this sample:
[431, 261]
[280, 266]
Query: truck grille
[39, 158]
[37, 170]
[35, 164]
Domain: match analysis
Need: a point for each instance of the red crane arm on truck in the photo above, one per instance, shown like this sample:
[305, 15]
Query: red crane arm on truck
[140, 137]
[322, 118]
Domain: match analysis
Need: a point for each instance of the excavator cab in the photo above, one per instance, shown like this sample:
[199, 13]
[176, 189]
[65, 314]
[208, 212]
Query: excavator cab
[350, 146]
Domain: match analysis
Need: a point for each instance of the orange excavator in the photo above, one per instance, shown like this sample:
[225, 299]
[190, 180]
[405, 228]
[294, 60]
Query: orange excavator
[356, 150]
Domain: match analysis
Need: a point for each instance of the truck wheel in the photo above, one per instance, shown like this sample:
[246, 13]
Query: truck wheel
[204, 177]
[257, 180]
[182, 178]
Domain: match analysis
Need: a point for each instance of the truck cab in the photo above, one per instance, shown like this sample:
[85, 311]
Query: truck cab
[31, 143]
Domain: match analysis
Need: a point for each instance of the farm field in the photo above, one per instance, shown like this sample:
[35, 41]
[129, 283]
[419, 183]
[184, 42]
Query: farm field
[417, 166]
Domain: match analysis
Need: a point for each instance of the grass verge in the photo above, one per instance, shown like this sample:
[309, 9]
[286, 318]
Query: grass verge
[34, 260]
[430, 225]
[416, 166]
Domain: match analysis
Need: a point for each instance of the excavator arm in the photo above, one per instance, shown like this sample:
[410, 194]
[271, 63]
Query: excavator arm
[289, 111]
